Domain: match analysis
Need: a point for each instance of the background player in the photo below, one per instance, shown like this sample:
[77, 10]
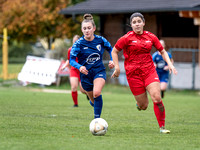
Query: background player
[74, 76]
[140, 70]
[162, 68]
[89, 49]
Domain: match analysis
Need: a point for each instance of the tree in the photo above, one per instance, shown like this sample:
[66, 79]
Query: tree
[26, 20]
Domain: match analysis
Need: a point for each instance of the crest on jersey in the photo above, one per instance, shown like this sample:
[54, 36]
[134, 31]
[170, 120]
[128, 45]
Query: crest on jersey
[98, 47]
[161, 64]
[93, 58]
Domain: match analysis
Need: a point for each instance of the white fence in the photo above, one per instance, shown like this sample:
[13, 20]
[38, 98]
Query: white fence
[187, 78]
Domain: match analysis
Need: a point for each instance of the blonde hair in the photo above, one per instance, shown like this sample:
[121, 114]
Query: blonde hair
[75, 38]
[88, 18]
[162, 43]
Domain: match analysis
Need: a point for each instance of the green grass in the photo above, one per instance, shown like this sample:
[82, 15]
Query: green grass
[39, 121]
[12, 68]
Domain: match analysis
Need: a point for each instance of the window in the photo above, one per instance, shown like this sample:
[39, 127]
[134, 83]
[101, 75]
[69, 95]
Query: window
[174, 26]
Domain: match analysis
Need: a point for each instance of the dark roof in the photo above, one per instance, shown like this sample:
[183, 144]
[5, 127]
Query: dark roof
[129, 6]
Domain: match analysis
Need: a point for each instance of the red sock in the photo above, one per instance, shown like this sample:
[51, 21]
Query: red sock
[159, 111]
[75, 97]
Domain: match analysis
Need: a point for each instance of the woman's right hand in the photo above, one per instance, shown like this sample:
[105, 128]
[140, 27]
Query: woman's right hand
[63, 67]
[116, 73]
[66, 64]
[83, 70]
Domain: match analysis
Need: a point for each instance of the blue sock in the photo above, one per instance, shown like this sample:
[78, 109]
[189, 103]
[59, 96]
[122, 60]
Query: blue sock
[91, 103]
[98, 104]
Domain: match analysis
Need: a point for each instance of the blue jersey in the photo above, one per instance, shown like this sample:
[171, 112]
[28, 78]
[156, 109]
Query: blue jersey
[160, 63]
[89, 53]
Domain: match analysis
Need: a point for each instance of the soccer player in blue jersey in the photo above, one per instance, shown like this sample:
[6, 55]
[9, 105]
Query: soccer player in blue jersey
[162, 69]
[89, 50]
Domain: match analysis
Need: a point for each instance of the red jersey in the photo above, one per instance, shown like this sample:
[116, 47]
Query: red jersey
[136, 50]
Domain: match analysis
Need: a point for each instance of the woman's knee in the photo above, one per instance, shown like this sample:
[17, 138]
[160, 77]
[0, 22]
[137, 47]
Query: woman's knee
[96, 93]
[74, 87]
[156, 97]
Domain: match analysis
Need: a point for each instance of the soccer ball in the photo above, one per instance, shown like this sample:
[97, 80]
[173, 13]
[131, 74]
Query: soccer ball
[98, 126]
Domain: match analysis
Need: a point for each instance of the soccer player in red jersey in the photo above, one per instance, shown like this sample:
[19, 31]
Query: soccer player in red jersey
[140, 70]
[74, 76]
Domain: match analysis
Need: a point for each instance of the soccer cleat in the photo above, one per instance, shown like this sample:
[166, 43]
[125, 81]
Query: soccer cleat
[87, 98]
[164, 131]
[75, 105]
[138, 107]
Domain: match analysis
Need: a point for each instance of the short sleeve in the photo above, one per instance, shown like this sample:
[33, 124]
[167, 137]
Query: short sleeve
[157, 43]
[75, 49]
[106, 44]
[120, 43]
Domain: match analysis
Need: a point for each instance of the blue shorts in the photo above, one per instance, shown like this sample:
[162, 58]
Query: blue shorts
[164, 77]
[87, 80]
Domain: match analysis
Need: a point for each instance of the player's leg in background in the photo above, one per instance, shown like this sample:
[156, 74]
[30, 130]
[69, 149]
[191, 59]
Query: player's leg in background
[91, 97]
[163, 83]
[74, 81]
[163, 86]
[83, 91]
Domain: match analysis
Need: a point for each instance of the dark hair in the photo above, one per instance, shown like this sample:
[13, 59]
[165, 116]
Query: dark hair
[137, 14]
[88, 18]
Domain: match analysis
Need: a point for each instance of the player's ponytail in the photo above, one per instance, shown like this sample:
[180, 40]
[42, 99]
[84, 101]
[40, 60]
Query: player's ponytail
[88, 18]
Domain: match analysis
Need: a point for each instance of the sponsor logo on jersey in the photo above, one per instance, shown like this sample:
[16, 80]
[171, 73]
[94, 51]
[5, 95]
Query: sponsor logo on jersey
[85, 48]
[161, 64]
[93, 58]
[98, 47]
[156, 78]
[157, 58]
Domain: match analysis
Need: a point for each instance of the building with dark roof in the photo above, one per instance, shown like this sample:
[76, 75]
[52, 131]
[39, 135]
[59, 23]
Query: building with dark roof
[175, 21]
[129, 6]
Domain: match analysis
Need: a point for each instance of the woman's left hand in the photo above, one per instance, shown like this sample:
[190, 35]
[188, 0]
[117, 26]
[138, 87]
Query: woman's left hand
[173, 70]
[111, 64]
[166, 68]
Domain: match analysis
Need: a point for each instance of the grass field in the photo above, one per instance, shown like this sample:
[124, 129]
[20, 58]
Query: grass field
[13, 70]
[32, 120]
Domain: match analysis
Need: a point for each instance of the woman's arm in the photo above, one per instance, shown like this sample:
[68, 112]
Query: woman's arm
[65, 65]
[116, 73]
[167, 59]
